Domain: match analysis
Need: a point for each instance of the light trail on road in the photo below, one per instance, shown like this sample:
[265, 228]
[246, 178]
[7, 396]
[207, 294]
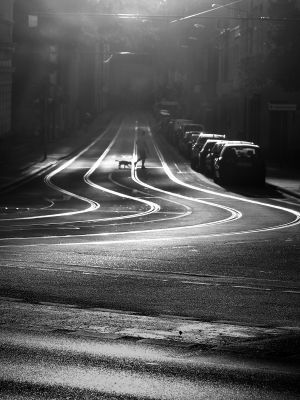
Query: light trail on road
[176, 180]
[48, 180]
[154, 207]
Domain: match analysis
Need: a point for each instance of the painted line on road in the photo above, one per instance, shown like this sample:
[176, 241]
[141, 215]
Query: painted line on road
[234, 214]
[292, 291]
[201, 283]
[294, 203]
[292, 223]
[176, 166]
[180, 215]
[153, 207]
[296, 221]
[48, 180]
[251, 288]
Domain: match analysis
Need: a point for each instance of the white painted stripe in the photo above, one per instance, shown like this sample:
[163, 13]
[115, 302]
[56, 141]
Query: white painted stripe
[93, 205]
[291, 291]
[294, 203]
[233, 216]
[251, 288]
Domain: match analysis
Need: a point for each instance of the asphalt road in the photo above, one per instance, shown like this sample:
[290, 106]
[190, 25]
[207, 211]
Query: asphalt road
[36, 366]
[164, 241]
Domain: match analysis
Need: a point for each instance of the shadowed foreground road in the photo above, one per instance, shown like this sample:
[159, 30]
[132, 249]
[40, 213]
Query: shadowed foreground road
[36, 366]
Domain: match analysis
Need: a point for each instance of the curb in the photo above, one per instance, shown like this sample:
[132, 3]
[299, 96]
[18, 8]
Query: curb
[28, 177]
[281, 189]
[19, 181]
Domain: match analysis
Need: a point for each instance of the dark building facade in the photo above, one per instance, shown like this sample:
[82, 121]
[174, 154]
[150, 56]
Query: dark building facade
[211, 61]
[58, 67]
[249, 104]
[6, 71]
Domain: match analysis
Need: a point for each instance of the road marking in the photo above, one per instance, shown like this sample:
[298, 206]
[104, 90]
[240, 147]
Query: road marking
[93, 204]
[287, 202]
[291, 291]
[296, 221]
[251, 288]
[153, 207]
[234, 215]
[201, 283]
[176, 166]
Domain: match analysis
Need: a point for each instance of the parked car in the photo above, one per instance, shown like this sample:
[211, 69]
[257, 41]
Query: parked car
[212, 155]
[186, 127]
[199, 144]
[240, 162]
[190, 139]
[185, 138]
[176, 126]
[215, 153]
[206, 149]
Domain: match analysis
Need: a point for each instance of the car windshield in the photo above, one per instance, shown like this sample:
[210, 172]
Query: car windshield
[217, 148]
[208, 146]
[193, 127]
[243, 152]
[194, 136]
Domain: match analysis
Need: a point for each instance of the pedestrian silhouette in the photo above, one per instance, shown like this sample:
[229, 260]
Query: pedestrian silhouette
[142, 148]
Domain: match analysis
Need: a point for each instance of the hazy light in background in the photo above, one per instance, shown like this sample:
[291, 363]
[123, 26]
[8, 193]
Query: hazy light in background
[214, 8]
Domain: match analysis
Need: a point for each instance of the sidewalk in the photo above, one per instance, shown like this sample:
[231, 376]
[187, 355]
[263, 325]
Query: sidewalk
[25, 162]
[286, 179]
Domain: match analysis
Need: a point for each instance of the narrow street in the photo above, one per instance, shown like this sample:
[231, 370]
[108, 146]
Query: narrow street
[164, 251]
[149, 200]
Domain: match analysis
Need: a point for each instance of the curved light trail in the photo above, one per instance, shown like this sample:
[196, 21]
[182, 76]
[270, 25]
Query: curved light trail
[153, 207]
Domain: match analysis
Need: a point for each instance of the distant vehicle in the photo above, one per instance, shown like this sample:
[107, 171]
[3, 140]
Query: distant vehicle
[199, 144]
[168, 106]
[164, 113]
[240, 163]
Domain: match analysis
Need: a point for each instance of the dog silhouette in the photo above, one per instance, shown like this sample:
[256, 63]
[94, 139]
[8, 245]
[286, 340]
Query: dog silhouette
[124, 163]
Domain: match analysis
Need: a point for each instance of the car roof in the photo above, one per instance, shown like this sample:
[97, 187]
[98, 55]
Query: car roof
[219, 143]
[212, 141]
[212, 136]
[236, 143]
[191, 123]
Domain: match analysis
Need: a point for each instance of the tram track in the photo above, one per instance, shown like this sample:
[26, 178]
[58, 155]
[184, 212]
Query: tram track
[154, 207]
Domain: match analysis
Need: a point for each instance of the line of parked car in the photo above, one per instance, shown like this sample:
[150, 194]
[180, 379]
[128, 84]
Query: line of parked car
[226, 161]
